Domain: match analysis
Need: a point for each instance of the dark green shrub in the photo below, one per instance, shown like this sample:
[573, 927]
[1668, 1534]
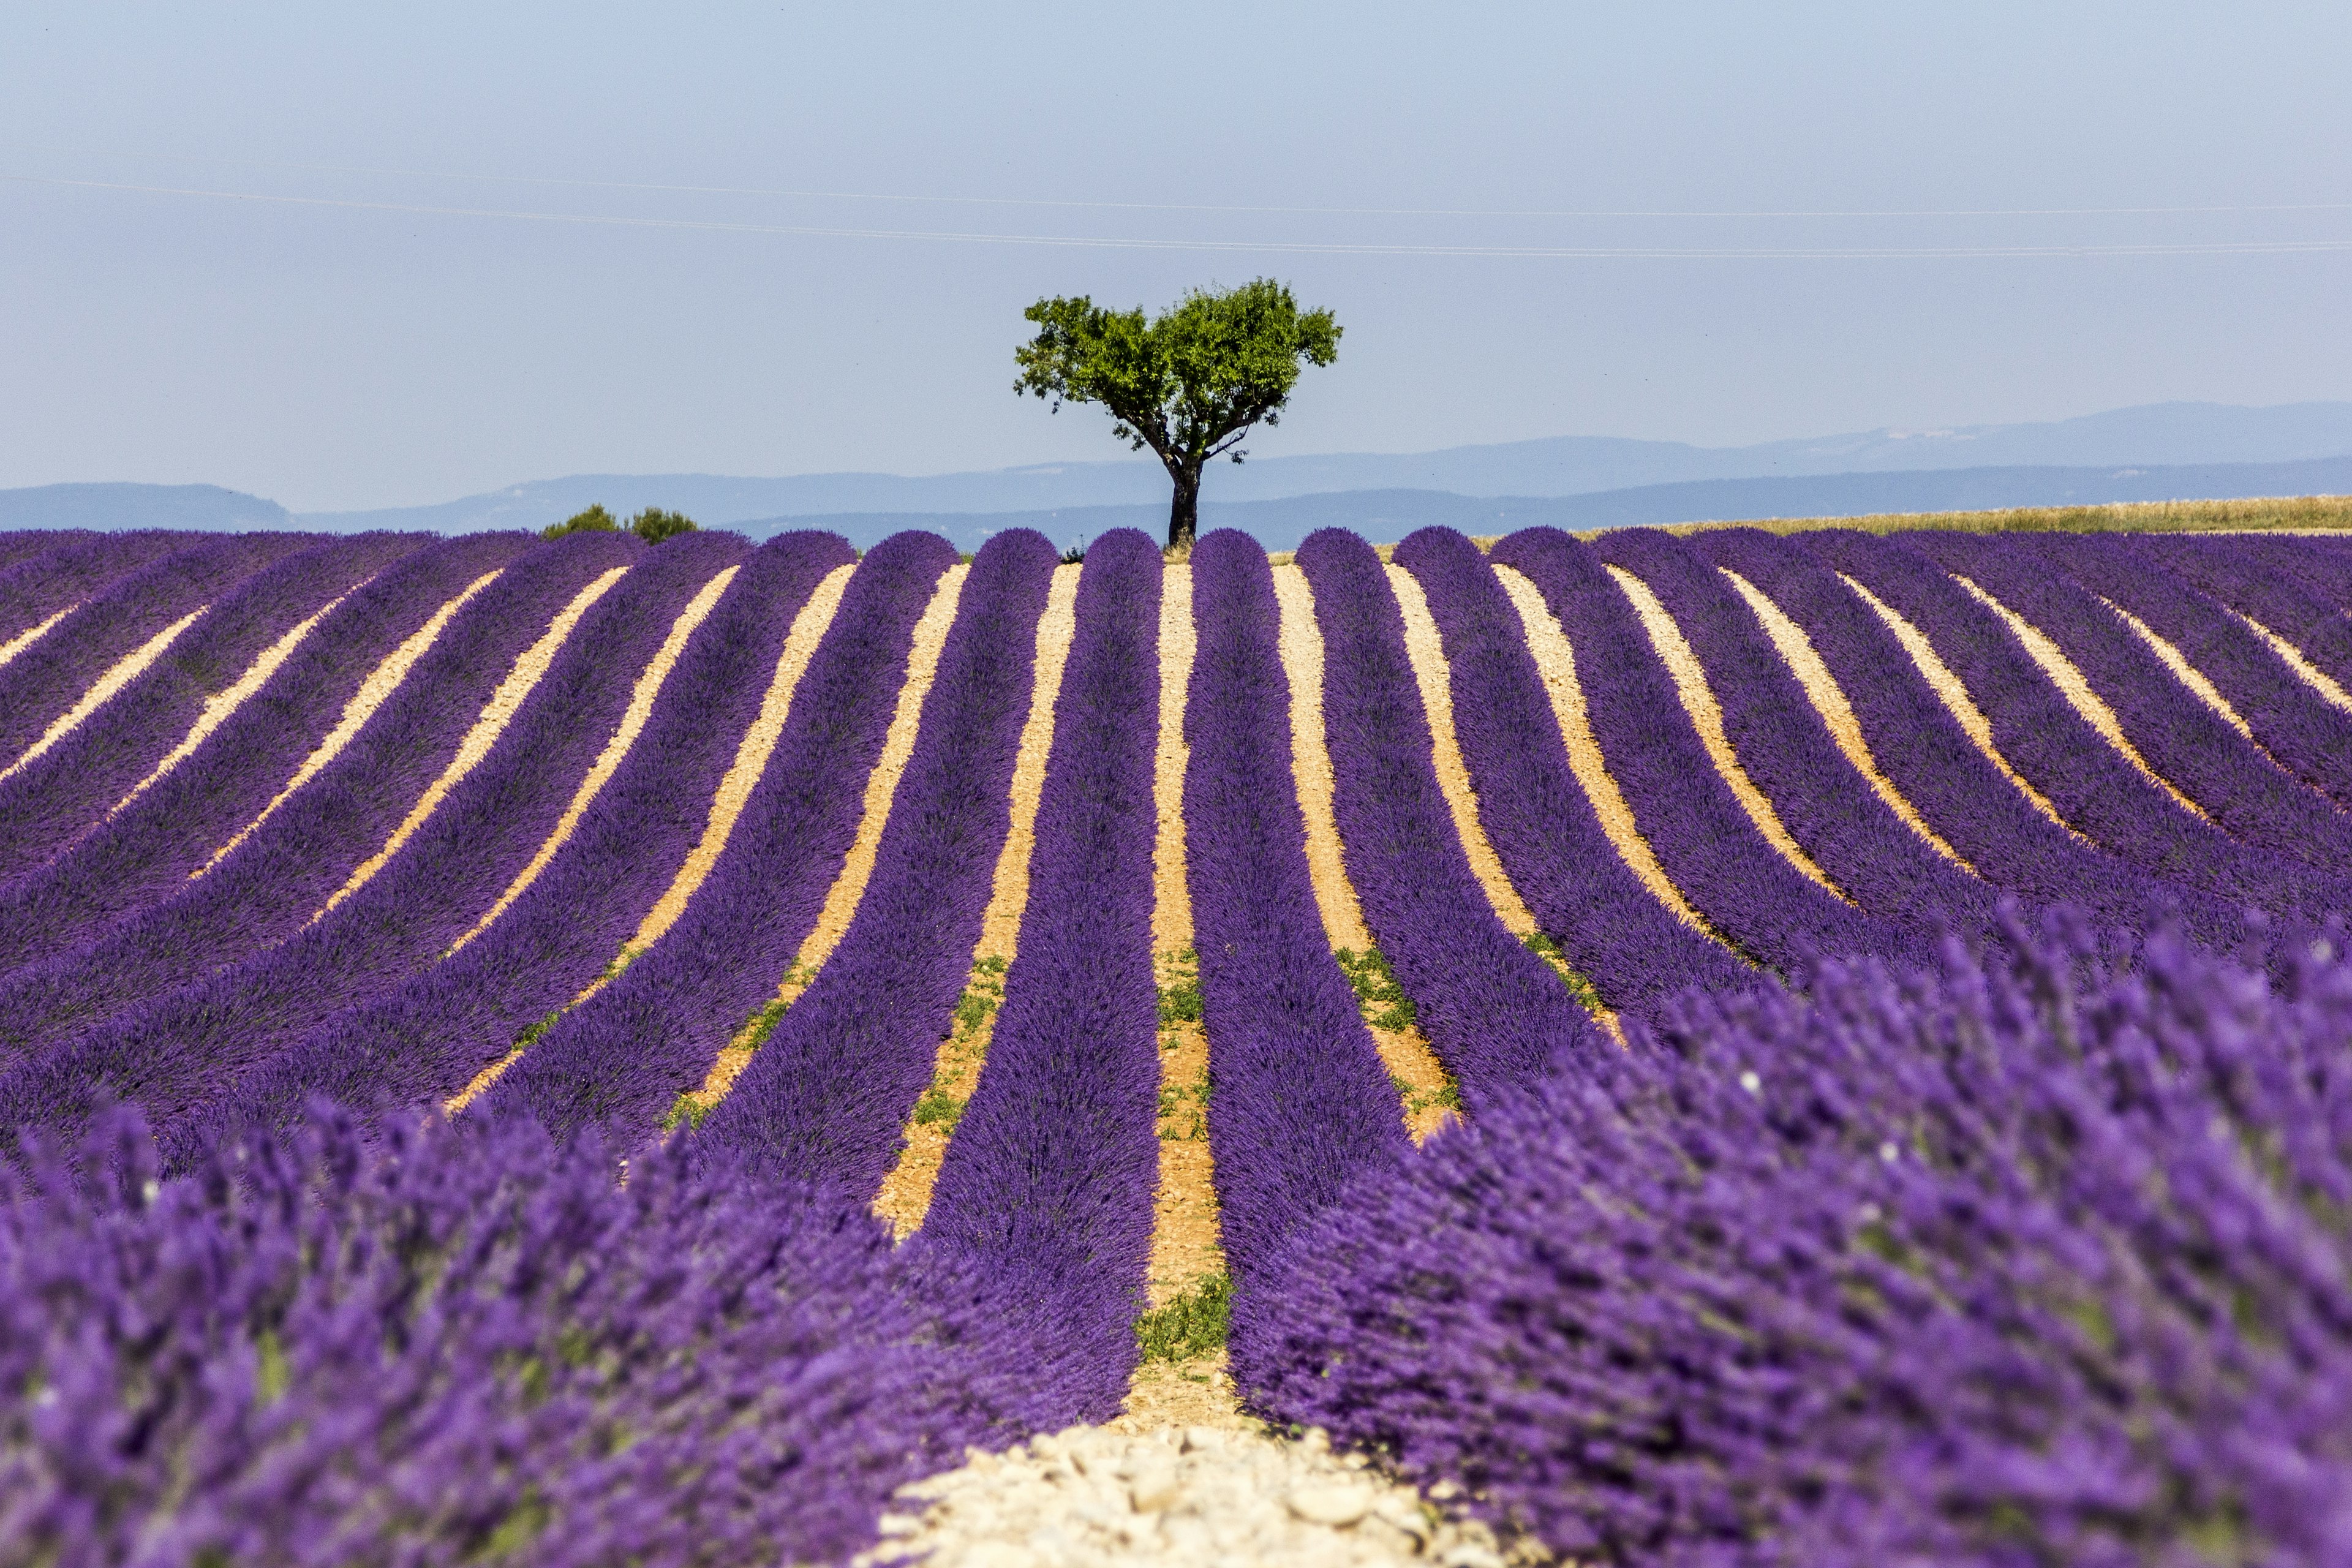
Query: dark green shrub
[595, 520]
[653, 525]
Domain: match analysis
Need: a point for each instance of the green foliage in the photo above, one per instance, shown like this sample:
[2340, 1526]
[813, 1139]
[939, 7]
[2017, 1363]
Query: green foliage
[768, 1014]
[1579, 987]
[689, 1109]
[1180, 993]
[1384, 1004]
[653, 525]
[938, 1106]
[1196, 1320]
[981, 997]
[1184, 1111]
[1189, 383]
[595, 520]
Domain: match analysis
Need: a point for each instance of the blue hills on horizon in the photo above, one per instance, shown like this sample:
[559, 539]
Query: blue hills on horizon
[2155, 452]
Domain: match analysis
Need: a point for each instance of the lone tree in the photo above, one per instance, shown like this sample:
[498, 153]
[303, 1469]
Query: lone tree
[1189, 383]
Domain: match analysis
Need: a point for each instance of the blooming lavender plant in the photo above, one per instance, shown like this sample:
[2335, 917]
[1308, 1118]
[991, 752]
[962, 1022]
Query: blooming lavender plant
[426, 1038]
[270, 885]
[1495, 1013]
[2308, 736]
[68, 568]
[2093, 788]
[23, 543]
[145, 852]
[1783, 743]
[1299, 1102]
[2185, 742]
[69, 787]
[46, 680]
[2286, 588]
[1048, 1181]
[2045, 1262]
[824, 1100]
[187, 1045]
[1960, 792]
[1608, 925]
[459, 1345]
[622, 1058]
[1708, 844]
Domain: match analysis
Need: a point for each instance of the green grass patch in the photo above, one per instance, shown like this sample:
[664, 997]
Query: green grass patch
[1184, 1110]
[939, 1107]
[1196, 1320]
[1381, 1000]
[981, 997]
[1579, 987]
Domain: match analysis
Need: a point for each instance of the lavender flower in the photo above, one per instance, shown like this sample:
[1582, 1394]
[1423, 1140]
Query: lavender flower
[2042, 1262]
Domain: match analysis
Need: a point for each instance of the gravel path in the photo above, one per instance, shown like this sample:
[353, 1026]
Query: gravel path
[1177, 1495]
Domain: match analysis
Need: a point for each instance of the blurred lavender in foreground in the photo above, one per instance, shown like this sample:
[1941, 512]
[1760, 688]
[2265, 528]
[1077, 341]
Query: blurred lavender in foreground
[2049, 1263]
[458, 1344]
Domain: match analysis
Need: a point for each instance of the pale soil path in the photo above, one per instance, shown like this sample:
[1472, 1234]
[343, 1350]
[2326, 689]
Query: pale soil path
[1555, 662]
[120, 674]
[905, 1196]
[2075, 687]
[2310, 674]
[1185, 1236]
[726, 802]
[530, 666]
[229, 698]
[1191, 1496]
[381, 683]
[634, 719]
[1828, 700]
[1705, 714]
[857, 868]
[1405, 1052]
[32, 635]
[1954, 698]
[1424, 647]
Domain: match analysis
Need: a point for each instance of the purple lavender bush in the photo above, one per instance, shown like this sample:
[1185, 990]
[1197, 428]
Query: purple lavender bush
[43, 683]
[1299, 1103]
[1050, 1178]
[2041, 1262]
[1542, 823]
[145, 853]
[44, 807]
[448, 1345]
[38, 584]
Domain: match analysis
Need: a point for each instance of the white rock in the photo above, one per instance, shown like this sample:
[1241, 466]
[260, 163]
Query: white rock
[1151, 1486]
[1469, 1554]
[996, 1554]
[1335, 1503]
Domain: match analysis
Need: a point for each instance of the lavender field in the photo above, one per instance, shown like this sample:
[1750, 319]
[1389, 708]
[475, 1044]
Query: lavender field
[1722, 1049]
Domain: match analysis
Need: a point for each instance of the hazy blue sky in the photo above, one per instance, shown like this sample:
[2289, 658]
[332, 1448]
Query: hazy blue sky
[343, 357]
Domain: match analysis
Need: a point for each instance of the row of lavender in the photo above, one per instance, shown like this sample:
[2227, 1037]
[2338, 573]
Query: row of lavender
[2033, 1251]
[900, 1359]
[1298, 1110]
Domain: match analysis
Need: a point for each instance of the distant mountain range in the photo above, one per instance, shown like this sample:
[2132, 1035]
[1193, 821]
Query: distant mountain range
[2158, 451]
[1390, 515]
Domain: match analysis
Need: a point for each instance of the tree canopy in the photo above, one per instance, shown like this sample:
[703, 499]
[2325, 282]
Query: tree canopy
[1189, 383]
[653, 525]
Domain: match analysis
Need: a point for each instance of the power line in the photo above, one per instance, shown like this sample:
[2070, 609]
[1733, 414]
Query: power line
[798, 194]
[1280, 248]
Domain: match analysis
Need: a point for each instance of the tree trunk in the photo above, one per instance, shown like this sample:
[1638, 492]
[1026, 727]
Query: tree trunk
[1184, 507]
